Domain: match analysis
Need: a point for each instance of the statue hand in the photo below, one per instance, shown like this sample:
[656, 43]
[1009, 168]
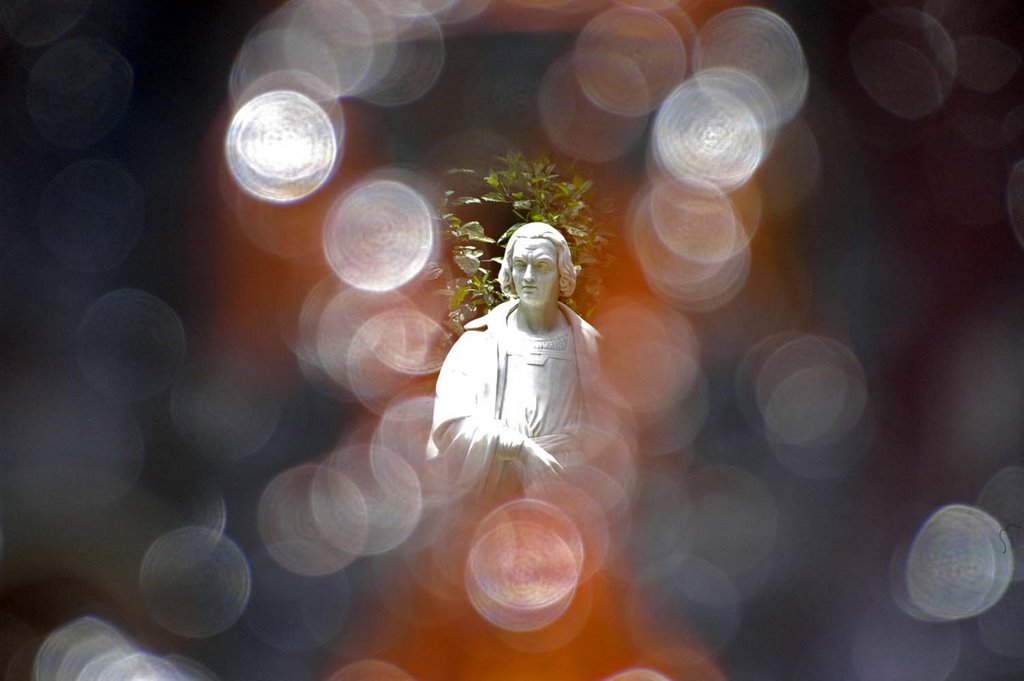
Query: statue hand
[556, 442]
[536, 456]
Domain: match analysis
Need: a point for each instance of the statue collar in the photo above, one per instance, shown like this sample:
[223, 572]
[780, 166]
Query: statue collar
[497, 320]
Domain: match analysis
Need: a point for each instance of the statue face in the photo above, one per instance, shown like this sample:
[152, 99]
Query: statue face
[535, 271]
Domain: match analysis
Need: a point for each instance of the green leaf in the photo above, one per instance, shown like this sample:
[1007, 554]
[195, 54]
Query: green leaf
[509, 232]
[463, 200]
[460, 295]
[460, 171]
[467, 263]
[494, 197]
[473, 228]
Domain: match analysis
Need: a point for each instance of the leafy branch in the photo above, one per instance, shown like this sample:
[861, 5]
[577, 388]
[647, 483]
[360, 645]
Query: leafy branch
[534, 191]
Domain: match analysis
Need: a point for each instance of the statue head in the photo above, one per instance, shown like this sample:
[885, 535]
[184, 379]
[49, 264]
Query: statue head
[539, 230]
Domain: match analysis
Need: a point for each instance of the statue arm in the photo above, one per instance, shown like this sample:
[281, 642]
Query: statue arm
[466, 438]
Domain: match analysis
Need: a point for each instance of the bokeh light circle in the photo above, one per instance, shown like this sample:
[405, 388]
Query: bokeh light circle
[1001, 627]
[416, 61]
[334, 315]
[37, 22]
[354, 349]
[132, 667]
[905, 60]
[313, 520]
[586, 513]
[286, 59]
[90, 649]
[390, 491]
[226, 408]
[749, 89]
[371, 670]
[627, 60]
[705, 133]
[324, 49]
[195, 582]
[985, 64]
[130, 345]
[293, 612]
[693, 284]
[90, 215]
[379, 235]
[403, 431]
[663, 527]
[699, 224]
[808, 396]
[810, 391]
[693, 596]
[574, 123]
[405, 340]
[78, 91]
[736, 518]
[69, 650]
[388, 350]
[281, 146]
[760, 42]
[1003, 498]
[651, 353]
[637, 674]
[957, 566]
[524, 565]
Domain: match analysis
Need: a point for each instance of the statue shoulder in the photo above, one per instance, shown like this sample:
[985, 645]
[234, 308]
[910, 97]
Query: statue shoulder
[474, 350]
[578, 322]
[589, 329]
[492, 319]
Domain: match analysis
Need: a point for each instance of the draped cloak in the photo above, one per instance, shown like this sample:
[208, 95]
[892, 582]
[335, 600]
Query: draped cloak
[468, 432]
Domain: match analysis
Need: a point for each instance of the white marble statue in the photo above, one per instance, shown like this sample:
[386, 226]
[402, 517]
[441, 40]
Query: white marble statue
[519, 387]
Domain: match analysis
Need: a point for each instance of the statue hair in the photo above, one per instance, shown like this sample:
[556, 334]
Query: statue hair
[540, 230]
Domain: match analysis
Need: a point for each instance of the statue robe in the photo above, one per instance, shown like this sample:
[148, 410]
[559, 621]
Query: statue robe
[469, 436]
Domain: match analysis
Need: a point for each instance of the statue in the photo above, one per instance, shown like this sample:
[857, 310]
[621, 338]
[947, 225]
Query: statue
[518, 386]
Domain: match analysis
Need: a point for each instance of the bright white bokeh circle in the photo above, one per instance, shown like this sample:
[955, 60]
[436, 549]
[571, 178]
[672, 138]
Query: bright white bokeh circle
[524, 565]
[282, 146]
[958, 566]
[379, 235]
[706, 133]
